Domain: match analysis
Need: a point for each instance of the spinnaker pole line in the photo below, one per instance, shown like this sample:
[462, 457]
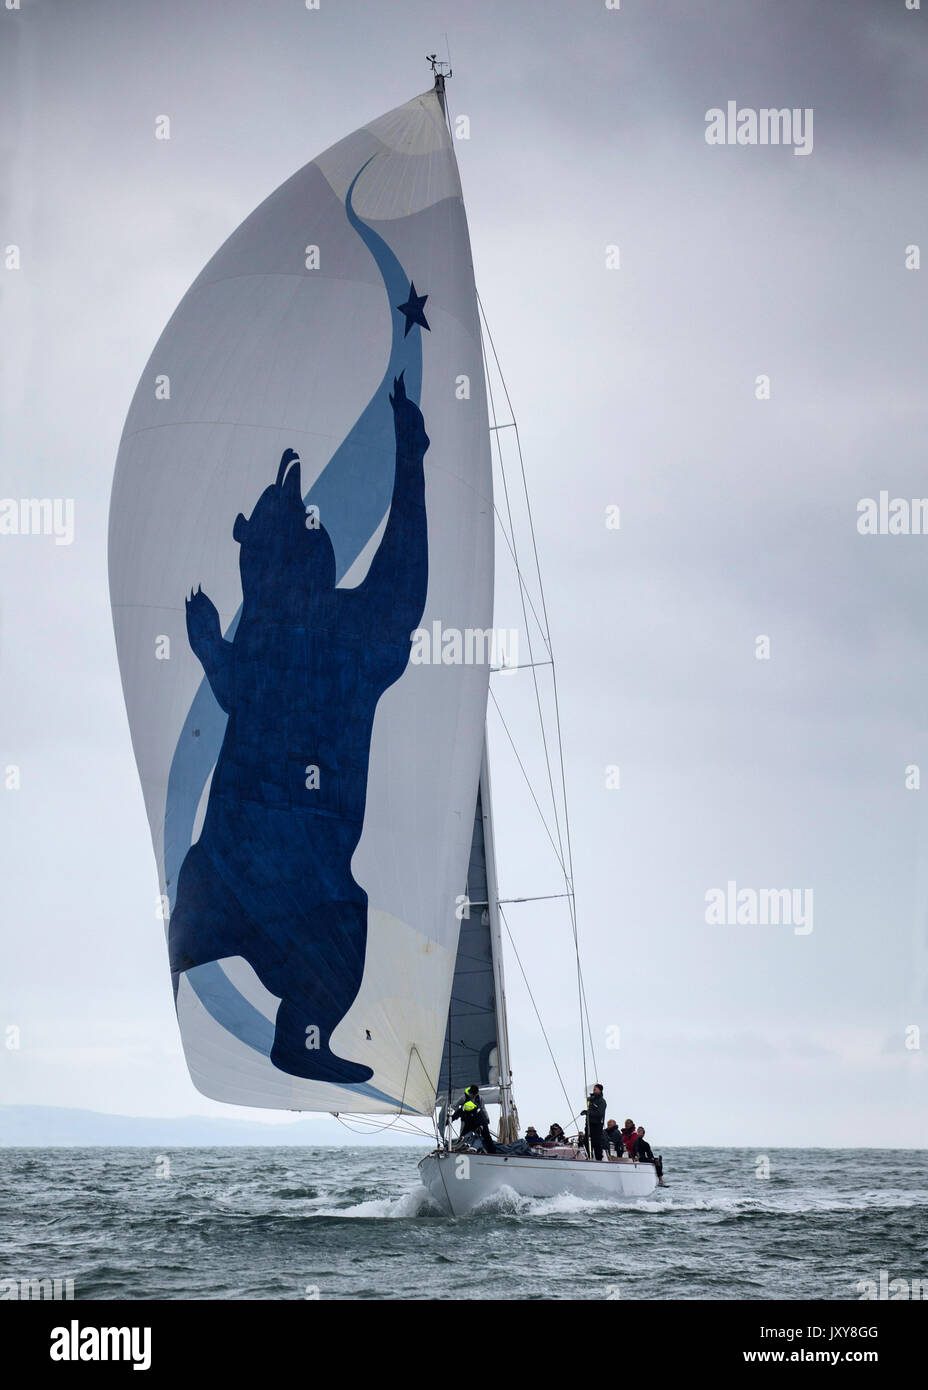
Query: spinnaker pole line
[535, 898]
[402, 1114]
[370, 1125]
[565, 856]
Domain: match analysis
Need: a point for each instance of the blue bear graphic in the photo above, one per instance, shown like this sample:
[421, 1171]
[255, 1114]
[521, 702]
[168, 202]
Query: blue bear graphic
[270, 877]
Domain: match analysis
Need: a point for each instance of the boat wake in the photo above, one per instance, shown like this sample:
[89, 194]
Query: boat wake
[507, 1202]
[409, 1205]
[728, 1205]
[504, 1202]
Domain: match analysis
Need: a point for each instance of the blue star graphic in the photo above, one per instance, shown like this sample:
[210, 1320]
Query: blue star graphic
[413, 309]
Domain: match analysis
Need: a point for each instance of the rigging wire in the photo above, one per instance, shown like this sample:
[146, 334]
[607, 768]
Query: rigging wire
[565, 856]
[541, 1025]
[515, 556]
[522, 585]
[528, 782]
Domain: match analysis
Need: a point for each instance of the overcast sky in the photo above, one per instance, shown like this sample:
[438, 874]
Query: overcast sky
[634, 387]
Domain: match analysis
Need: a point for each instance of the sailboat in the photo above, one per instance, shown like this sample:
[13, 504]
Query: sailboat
[301, 553]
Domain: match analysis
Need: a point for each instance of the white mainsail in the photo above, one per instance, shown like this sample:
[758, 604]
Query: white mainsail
[476, 1048]
[310, 790]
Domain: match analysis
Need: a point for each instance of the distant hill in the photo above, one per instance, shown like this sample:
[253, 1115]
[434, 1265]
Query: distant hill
[40, 1126]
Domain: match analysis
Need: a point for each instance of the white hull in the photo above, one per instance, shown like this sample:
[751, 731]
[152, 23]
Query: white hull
[460, 1183]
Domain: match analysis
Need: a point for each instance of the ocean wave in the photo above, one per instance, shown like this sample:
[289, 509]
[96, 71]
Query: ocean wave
[269, 1226]
[786, 1203]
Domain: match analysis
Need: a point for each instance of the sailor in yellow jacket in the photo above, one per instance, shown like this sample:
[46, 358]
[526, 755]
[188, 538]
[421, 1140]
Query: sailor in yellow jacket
[474, 1118]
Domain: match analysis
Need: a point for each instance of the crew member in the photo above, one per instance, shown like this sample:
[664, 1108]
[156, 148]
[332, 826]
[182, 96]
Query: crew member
[474, 1119]
[612, 1139]
[645, 1154]
[595, 1119]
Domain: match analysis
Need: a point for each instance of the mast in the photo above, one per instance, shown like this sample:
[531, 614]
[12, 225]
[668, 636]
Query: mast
[438, 66]
[496, 944]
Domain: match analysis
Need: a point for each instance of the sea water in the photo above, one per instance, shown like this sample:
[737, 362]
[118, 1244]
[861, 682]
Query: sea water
[329, 1223]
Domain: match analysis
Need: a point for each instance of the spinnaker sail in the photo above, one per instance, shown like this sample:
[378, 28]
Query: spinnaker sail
[303, 481]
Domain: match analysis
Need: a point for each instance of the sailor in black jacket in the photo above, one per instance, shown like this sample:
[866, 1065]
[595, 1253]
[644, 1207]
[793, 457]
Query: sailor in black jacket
[612, 1139]
[645, 1154]
[595, 1119]
[642, 1148]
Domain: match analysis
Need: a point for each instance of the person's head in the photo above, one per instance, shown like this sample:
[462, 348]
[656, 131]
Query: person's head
[629, 1124]
[610, 1124]
[472, 1091]
[597, 1088]
[641, 1131]
[530, 1130]
[556, 1129]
